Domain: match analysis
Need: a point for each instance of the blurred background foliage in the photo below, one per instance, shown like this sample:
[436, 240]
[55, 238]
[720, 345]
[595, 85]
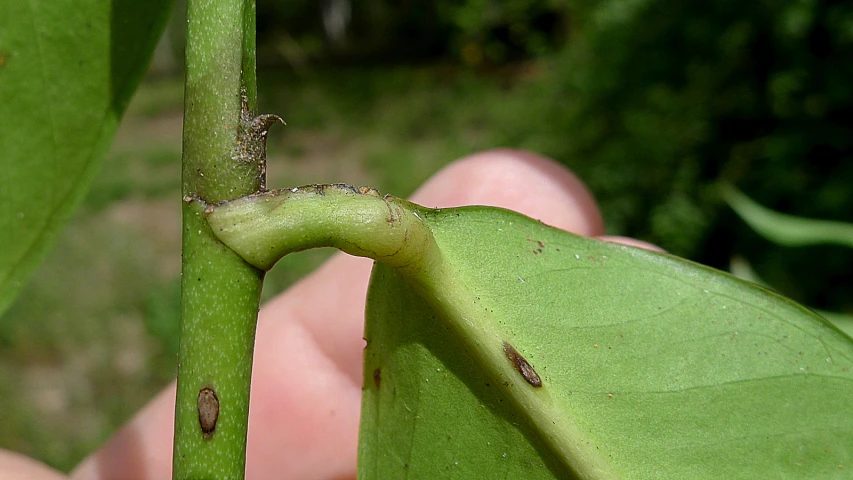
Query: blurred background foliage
[651, 102]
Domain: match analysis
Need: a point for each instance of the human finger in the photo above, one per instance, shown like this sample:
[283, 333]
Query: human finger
[17, 466]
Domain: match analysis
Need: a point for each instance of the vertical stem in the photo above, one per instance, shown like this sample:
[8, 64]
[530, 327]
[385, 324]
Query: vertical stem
[220, 292]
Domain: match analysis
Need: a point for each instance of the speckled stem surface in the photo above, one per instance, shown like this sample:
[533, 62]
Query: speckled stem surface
[220, 292]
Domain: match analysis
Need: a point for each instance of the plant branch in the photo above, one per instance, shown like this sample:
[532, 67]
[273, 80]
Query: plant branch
[223, 158]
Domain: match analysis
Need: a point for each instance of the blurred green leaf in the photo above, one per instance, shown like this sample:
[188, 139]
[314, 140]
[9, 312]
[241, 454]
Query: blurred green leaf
[783, 229]
[67, 71]
[636, 364]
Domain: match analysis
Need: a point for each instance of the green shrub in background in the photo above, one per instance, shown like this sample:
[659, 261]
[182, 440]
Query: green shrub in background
[655, 101]
[651, 102]
[474, 31]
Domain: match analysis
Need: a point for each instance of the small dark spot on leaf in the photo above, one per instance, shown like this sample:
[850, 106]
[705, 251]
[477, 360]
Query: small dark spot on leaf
[522, 366]
[208, 410]
[377, 377]
[541, 245]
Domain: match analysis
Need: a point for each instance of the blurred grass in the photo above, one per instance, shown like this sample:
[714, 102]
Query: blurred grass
[93, 336]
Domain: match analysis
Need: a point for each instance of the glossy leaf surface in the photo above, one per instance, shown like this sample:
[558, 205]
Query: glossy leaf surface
[650, 366]
[67, 71]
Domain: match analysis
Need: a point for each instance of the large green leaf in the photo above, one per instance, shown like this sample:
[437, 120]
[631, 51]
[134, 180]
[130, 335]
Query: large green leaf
[650, 366]
[67, 71]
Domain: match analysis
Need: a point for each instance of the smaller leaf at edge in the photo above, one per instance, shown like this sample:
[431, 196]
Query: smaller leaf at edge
[783, 229]
[66, 76]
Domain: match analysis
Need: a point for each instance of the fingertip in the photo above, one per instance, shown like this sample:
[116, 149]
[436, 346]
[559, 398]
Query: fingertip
[20, 467]
[517, 180]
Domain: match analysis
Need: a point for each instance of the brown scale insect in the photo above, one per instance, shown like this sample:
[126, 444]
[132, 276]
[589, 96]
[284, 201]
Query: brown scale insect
[522, 366]
[208, 410]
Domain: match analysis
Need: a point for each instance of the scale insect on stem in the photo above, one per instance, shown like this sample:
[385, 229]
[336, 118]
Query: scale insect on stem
[208, 410]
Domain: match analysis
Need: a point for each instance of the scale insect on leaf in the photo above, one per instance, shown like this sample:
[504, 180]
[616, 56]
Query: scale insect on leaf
[522, 366]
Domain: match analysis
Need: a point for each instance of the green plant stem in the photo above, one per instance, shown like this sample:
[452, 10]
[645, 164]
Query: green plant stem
[220, 292]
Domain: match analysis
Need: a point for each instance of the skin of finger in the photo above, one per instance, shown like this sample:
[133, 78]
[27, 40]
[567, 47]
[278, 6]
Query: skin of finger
[307, 375]
[518, 180]
[17, 466]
